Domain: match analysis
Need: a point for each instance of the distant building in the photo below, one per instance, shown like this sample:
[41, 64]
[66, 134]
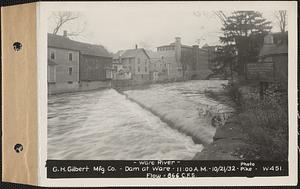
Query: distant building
[63, 62]
[89, 62]
[185, 62]
[159, 66]
[171, 54]
[212, 52]
[275, 50]
[119, 72]
[134, 61]
[70, 62]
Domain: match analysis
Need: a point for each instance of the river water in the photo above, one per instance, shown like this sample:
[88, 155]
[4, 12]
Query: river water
[105, 125]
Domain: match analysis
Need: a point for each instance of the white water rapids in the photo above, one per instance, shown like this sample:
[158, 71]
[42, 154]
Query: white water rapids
[105, 125]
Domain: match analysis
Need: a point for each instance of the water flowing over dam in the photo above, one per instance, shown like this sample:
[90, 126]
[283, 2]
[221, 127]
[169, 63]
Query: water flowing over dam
[108, 125]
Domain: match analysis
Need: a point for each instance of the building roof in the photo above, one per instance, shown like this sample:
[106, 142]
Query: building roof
[205, 45]
[160, 54]
[182, 46]
[273, 49]
[118, 54]
[170, 45]
[173, 44]
[153, 54]
[129, 53]
[58, 41]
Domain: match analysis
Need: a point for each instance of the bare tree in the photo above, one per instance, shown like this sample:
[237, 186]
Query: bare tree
[281, 17]
[221, 16]
[62, 18]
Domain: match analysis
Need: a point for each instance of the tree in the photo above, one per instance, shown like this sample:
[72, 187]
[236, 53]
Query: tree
[62, 18]
[244, 31]
[281, 17]
[224, 59]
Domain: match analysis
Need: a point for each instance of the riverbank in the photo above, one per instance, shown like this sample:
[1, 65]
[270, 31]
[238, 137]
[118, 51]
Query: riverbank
[257, 131]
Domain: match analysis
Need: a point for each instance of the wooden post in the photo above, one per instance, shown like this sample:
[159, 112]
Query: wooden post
[261, 90]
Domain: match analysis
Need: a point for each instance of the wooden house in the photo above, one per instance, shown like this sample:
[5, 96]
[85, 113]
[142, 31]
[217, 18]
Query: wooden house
[71, 62]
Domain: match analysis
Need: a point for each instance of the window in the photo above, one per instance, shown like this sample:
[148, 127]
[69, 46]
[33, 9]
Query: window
[139, 69]
[146, 69]
[139, 60]
[70, 82]
[70, 56]
[51, 74]
[70, 70]
[52, 55]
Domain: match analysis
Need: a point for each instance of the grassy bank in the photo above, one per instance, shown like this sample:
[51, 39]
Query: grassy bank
[265, 120]
[258, 130]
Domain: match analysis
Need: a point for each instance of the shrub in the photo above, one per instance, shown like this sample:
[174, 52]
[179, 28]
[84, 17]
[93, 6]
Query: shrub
[266, 122]
[232, 90]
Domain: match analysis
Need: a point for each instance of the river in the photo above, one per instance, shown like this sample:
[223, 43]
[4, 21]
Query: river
[105, 125]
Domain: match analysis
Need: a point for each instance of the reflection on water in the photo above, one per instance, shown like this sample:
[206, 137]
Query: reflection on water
[105, 125]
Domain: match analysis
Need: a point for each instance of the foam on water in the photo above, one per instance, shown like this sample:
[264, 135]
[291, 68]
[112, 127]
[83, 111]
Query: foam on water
[181, 105]
[106, 125]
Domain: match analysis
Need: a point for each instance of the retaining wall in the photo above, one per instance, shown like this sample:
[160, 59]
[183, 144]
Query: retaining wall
[58, 88]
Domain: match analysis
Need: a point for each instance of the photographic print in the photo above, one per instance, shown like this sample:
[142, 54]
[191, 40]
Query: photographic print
[159, 90]
[160, 82]
[150, 93]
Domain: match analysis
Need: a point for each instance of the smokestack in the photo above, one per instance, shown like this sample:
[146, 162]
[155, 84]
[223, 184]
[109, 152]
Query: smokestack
[136, 46]
[65, 33]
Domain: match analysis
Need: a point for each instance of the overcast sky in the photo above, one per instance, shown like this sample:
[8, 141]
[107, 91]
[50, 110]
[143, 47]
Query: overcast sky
[121, 26]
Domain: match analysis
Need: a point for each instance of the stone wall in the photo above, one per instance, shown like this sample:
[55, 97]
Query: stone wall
[58, 88]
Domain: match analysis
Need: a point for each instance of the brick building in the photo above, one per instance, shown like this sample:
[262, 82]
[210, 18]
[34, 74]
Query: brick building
[183, 61]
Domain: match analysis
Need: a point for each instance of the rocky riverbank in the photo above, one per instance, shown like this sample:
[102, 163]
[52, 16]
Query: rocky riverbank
[228, 138]
[256, 131]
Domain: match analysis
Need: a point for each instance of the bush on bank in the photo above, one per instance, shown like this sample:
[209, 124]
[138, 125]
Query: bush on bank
[265, 120]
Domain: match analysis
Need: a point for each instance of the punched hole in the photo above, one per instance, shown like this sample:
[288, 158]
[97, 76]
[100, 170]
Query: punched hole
[17, 46]
[18, 148]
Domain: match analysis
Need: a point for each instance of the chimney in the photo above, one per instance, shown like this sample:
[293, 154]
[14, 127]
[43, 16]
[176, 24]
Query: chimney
[65, 33]
[178, 40]
[136, 46]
